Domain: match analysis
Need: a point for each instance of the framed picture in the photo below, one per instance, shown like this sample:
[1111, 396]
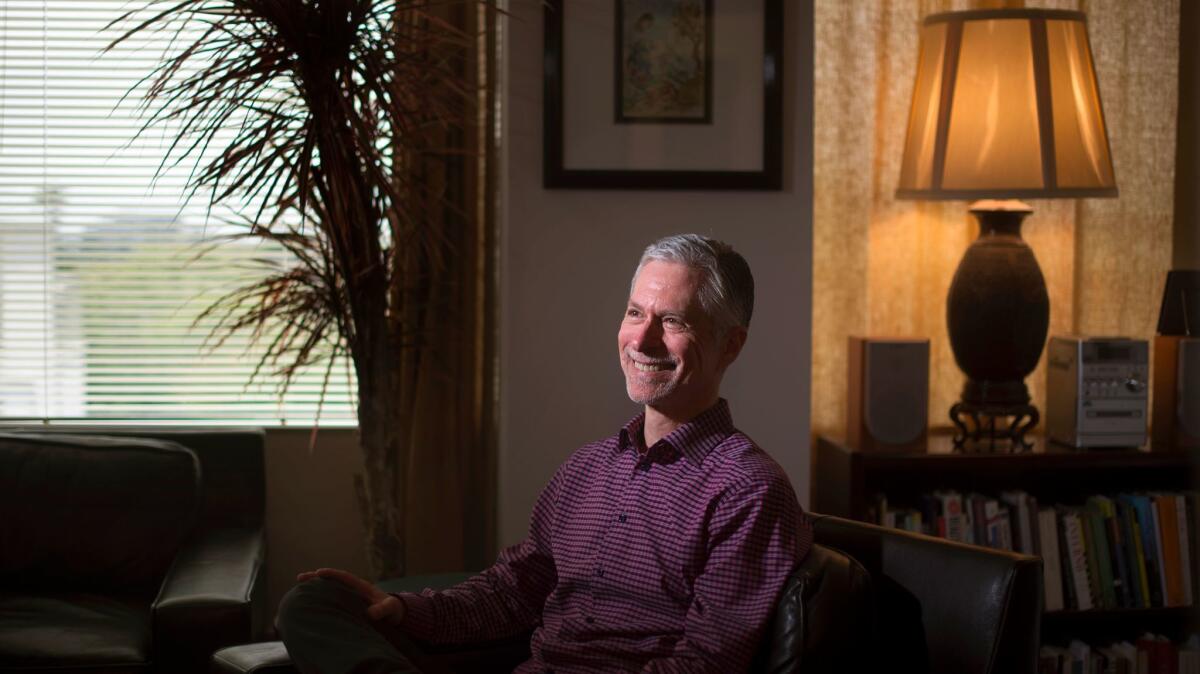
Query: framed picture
[663, 61]
[663, 94]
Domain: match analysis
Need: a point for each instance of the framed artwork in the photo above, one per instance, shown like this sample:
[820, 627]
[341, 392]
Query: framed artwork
[663, 61]
[663, 94]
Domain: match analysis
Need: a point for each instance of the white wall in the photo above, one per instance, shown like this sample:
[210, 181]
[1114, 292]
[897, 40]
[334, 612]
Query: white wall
[566, 261]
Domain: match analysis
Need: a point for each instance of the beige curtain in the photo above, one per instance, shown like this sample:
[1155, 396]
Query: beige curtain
[882, 267]
[448, 384]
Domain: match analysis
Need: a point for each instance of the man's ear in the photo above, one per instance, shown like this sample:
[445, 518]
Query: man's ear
[735, 339]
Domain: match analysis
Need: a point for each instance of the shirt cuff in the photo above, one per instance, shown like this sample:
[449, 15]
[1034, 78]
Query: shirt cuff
[420, 615]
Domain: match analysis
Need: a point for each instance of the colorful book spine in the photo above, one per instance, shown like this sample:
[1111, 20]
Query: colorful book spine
[1125, 503]
[1116, 552]
[1145, 521]
[1098, 546]
[1132, 551]
[952, 510]
[1070, 596]
[1164, 506]
[1077, 554]
[1095, 581]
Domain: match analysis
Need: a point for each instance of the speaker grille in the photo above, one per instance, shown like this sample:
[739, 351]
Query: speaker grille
[1187, 385]
[896, 392]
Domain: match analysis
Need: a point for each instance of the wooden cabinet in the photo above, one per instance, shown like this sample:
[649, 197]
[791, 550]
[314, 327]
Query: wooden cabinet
[848, 483]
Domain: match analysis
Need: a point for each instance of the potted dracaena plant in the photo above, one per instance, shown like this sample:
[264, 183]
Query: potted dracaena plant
[338, 112]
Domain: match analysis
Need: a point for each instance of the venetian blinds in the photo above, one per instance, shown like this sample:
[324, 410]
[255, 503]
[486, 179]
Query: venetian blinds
[100, 278]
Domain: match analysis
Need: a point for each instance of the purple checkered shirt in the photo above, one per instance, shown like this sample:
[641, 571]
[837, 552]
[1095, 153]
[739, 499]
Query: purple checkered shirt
[662, 560]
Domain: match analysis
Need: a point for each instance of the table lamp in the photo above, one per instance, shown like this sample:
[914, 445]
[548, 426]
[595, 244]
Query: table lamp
[1005, 107]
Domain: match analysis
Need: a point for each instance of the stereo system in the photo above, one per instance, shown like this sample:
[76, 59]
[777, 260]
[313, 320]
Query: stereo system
[1096, 391]
[1096, 387]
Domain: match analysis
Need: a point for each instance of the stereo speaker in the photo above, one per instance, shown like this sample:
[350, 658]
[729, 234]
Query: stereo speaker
[1175, 424]
[888, 394]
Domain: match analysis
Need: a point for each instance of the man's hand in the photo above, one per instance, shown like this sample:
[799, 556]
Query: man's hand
[380, 605]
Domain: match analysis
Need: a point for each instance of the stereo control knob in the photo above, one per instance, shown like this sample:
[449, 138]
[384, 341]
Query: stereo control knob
[1135, 386]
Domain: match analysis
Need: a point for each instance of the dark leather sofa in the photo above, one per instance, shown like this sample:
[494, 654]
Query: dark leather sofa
[131, 551]
[867, 599]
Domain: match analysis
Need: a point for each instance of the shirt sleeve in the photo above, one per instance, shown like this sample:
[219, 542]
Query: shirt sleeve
[758, 535]
[504, 600]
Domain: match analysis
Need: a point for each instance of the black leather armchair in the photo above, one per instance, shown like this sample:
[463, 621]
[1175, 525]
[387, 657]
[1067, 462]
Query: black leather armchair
[129, 554]
[866, 599]
[942, 606]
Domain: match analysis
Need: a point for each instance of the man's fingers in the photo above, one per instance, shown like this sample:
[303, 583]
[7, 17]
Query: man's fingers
[357, 584]
[389, 608]
[352, 581]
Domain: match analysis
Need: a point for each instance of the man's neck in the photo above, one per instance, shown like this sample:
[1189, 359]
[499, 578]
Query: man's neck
[659, 423]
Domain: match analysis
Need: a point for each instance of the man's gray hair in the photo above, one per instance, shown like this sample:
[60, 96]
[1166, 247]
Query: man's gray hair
[726, 284]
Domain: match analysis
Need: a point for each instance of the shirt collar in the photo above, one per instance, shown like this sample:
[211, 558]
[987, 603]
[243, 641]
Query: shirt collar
[694, 439]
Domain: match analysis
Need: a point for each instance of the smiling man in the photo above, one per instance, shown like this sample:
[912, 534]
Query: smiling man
[662, 548]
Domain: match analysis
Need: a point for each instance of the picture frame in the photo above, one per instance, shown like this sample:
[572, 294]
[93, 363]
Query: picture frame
[717, 126]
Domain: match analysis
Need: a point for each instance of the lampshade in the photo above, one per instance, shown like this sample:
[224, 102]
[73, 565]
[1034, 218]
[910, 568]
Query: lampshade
[1006, 106]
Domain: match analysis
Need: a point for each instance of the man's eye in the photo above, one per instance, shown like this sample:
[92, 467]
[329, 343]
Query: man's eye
[632, 313]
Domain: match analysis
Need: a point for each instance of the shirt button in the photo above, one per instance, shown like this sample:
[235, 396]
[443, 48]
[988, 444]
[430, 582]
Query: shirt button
[621, 518]
[589, 620]
[600, 571]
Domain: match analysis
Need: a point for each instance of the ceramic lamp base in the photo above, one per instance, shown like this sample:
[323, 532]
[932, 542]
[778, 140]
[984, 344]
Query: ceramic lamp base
[997, 314]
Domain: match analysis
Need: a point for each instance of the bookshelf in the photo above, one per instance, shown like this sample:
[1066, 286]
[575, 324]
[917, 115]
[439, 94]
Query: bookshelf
[847, 483]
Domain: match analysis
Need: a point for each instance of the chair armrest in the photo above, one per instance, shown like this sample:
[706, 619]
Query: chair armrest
[950, 607]
[212, 597]
[824, 620]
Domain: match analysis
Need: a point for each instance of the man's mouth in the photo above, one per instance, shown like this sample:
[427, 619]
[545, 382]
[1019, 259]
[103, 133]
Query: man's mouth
[653, 367]
[642, 363]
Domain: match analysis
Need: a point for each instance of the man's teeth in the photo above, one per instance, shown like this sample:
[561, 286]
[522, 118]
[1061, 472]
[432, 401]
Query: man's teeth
[652, 367]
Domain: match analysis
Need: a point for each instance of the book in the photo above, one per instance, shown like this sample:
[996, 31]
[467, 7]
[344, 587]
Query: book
[1098, 553]
[1033, 521]
[1070, 596]
[952, 510]
[1117, 545]
[1081, 656]
[976, 519]
[1023, 515]
[1185, 548]
[1052, 660]
[1156, 522]
[1077, 556]
[1149, 537]
[916, 522]
[931, 513]
[1193, 571]
[1091, 559]
[1164, 507]
[1133, 554]
[1189, 656]
[992, 524]
[1051, 565]
[1124, 656]
[1006, 527]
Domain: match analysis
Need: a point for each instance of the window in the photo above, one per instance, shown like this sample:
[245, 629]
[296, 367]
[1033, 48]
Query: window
[100, 279]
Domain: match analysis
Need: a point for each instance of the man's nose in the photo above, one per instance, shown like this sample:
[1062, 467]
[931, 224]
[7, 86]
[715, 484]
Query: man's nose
[649, 335]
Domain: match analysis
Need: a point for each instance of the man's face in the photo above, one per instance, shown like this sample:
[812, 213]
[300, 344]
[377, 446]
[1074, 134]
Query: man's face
[671, 358]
